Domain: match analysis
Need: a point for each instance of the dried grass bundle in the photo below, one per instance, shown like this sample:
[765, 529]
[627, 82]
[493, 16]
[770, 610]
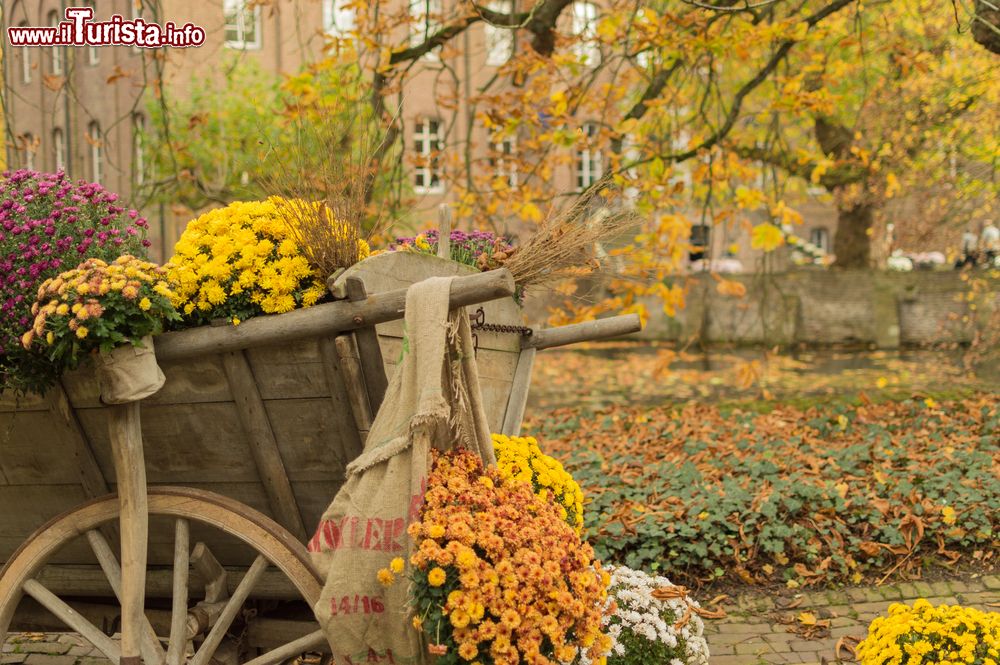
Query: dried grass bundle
[329, 239]
[567, 245]
[325, 175]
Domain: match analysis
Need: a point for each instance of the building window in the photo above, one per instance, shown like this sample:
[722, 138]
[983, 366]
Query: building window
[138, 148]
[503, 162]
[700, 235]
[57, 54]
[339, 18]
[821, 238]
[25, 59]
[59, 149]
[93, 54]
[499, 40]
[426, 17]
[585, 32]
[96, 141]
[242, 24]
[426, 147]
[588, 159]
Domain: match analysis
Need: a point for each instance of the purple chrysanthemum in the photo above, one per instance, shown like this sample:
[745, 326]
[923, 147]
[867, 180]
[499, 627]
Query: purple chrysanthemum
[49, 224]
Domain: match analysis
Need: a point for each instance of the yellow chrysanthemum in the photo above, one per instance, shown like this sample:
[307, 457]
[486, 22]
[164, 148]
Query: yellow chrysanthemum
[436, 577]
[246, 259]
[521, 459]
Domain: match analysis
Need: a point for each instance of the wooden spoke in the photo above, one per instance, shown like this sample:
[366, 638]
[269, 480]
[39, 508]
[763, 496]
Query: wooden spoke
[233, 605]
[71, 618]
[179, 610]
[290, 650]
[152, 651]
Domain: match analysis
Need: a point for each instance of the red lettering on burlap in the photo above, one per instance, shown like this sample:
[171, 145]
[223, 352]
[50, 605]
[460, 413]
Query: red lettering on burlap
[380, 535]
[416, 503]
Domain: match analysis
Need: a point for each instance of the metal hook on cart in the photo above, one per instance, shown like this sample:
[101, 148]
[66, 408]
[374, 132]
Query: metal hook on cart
[478, 321]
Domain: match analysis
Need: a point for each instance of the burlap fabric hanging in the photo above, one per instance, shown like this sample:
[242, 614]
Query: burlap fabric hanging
[434, 401]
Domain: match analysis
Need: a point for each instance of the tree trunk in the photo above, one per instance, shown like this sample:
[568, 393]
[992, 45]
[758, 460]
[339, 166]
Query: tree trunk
[851, 243]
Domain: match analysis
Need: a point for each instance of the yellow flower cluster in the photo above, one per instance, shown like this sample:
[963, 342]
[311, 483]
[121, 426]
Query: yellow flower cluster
[923, 634]
[102, 304]
[498, 576]
[520, 458]
[243, 260]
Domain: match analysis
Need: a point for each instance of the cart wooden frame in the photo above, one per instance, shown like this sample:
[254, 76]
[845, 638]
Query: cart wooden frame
[219, 477]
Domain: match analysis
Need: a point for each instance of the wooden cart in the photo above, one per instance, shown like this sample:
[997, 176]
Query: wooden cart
[210, 495]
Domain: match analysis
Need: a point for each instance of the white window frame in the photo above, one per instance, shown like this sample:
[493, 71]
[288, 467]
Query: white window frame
[499, 40]
[25, 60]
[504, 161]
[59, 148]
[585, 29]
[820, 236]
[426, 145]
[57, 53]
[588, 162]
[339, 20]
[138, 148]
[238, 10]
[425, 15]
[96, 140]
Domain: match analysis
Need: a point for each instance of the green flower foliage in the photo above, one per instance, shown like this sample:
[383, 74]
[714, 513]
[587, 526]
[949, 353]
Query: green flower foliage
[804, 497]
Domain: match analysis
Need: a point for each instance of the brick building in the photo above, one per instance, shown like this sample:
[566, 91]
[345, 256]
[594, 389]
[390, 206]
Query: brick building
[84, 108]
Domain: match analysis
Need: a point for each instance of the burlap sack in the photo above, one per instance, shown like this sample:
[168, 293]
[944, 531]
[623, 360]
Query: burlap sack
[129, 373]
[433, 400]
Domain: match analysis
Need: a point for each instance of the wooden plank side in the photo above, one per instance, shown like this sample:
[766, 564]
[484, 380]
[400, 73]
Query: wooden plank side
[91, 478]
[184, 443]
[289, 371]
[263, 445]
[187, 382]
[11, 403]
[36, 450]
[314, 444]
[345, 434]
[89, 580]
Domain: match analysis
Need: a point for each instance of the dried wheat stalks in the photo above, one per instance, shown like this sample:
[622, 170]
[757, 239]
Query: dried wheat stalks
[323, 181]
[566, 245]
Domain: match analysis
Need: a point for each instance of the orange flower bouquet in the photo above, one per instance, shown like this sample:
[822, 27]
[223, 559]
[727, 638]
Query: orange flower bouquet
[497, 574]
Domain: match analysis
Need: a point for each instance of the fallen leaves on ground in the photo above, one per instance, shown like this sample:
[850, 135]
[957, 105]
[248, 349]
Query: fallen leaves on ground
[803, 497]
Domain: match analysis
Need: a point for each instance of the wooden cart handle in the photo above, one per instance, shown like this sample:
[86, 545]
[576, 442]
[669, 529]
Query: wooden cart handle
[322, 320]
[587, 331]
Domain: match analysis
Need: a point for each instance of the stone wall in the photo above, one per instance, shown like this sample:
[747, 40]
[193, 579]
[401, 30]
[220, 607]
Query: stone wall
[814, 306]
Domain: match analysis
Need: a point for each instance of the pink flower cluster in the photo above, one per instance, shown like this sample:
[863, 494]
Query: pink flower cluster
[48, 224]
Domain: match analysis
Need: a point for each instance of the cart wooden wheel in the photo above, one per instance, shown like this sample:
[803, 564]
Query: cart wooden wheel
[273, 544]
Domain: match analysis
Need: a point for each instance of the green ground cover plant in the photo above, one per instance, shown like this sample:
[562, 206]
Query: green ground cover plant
[846, 493]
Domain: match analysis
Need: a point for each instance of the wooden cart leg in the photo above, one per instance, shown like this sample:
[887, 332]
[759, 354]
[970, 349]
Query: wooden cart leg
[130, 474]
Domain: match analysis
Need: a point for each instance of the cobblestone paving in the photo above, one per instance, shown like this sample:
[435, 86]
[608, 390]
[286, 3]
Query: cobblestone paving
[759, 629]
[762, 629]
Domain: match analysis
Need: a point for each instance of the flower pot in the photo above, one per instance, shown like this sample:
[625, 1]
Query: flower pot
[129, 373]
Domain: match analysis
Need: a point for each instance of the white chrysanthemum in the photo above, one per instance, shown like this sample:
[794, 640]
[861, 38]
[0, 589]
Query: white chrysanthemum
[635, 608]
